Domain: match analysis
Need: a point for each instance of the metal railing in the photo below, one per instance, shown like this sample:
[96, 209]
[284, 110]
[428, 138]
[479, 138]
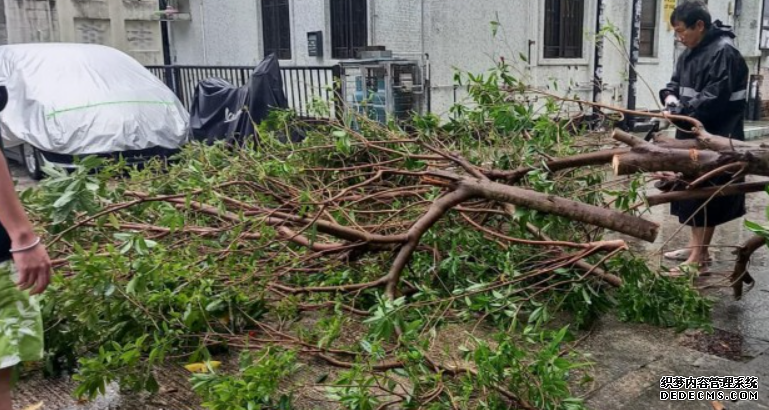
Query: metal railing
[305, 86]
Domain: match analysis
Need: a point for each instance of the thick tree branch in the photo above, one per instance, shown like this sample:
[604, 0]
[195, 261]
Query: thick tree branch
[740, 274]
[558, 164]
[436, 211]
[576, 211]
[704, 193]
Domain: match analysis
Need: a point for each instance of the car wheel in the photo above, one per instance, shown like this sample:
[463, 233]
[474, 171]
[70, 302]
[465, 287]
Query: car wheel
[33, 161]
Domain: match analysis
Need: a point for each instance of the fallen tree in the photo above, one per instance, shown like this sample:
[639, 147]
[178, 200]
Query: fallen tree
[379, 237]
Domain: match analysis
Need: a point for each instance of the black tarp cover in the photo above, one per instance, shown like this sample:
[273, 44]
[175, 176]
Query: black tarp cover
[218, 107]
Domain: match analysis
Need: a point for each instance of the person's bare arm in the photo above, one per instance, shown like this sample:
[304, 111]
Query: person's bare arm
[33, 265]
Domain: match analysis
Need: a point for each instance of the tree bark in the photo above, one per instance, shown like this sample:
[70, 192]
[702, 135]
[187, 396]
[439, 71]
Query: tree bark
[704, 193]
[436, 211]
[692, 162]
[650, 158]
[708, 142]
[558, 164]
[740, 274]
[576, 211]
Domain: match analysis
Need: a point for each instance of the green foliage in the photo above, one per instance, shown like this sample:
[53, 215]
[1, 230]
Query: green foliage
[355, 390]
[182, 261]
[540, 378]
[758, 229]
[124, 363]
[255, 387]
[64, 196]
[646, 297]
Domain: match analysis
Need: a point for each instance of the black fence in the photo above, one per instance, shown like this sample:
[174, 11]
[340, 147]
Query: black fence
[311, 91]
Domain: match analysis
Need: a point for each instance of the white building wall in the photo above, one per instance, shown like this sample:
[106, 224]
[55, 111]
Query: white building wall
[188, 44]
[457, 34]
[307, 16]
[219, 33]
[406, 41]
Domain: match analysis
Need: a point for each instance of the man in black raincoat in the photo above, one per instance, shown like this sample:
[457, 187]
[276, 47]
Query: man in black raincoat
[709, 84]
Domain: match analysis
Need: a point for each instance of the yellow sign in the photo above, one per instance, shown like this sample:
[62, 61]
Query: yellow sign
[667, 10]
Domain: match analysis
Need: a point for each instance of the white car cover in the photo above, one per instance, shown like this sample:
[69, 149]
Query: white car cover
[78, 99]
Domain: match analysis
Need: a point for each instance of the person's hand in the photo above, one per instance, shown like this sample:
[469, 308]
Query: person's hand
[34, 267]
[665, 175]
[672, 101]
[667, 181]
[675, 110]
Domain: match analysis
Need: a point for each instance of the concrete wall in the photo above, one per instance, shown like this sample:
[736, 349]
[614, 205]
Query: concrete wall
[3, 24]
[29, 21]
[457, 34]
[127, 25]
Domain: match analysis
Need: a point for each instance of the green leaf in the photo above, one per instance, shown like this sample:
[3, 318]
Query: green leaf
[400, 372]
[131, 287]
[113, 221]
[494, 28]
[109, 289]
[152, 385]
[216, 306]
[759, 229]
[321, 378]
[65, 199]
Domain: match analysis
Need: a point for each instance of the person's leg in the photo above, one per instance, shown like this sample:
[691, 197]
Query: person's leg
[683, 210]
[5, 389]
[698, 239]
[699, 242]
[22, 337]
[8, 348]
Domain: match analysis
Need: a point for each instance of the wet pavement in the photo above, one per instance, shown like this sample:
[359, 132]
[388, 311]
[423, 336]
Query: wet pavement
[629, 359]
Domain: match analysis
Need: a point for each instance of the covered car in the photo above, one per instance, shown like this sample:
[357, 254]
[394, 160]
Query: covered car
[69, 100]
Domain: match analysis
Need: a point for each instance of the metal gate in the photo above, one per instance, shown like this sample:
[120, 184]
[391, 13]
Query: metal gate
[304, 86]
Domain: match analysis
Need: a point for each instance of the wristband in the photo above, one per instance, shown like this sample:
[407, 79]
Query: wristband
[26, 248]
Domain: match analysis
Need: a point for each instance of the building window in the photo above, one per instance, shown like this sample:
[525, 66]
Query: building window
[648, 28]
[349, 27]
[564, 28]
[276, 28]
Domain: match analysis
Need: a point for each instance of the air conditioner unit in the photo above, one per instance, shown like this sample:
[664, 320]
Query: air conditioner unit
[383, 89]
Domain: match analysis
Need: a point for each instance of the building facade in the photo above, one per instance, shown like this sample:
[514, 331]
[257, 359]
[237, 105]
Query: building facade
[550, 42]
[128, 25]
